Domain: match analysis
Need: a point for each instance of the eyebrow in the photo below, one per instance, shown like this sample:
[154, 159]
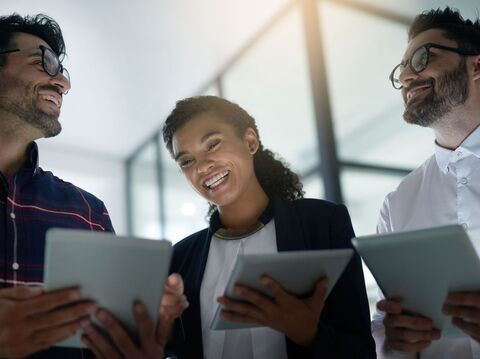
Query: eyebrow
[204, 138]
[36, 52]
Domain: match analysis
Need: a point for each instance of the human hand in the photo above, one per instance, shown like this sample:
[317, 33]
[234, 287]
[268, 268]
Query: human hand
[296, 318]
[406, 332]
[464, 307]
[174, 302]
[120, 345]
[32, 320]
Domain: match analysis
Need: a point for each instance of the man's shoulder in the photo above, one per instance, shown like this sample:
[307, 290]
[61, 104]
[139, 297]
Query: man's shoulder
[53, 185]
[410, 183]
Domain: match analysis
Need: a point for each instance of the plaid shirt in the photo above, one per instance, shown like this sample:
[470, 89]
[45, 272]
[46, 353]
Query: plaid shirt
[36, 201]
[30, 203]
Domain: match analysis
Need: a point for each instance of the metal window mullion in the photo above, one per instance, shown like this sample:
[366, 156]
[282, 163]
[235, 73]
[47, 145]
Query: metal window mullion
[329, 166]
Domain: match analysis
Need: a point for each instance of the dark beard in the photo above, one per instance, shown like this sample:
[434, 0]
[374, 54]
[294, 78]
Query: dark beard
[452, 91]
[26, 108]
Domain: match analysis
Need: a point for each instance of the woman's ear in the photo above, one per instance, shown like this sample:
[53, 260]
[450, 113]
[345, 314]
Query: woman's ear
[251, 140]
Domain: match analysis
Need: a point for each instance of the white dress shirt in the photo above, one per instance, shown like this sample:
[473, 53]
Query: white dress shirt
[254, 343]
[444, 190]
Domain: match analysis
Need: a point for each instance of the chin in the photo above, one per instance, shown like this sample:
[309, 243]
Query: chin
[50, 128]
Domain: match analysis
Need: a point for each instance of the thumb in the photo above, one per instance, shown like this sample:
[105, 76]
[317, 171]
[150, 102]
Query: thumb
[317, 299]
[174, 283]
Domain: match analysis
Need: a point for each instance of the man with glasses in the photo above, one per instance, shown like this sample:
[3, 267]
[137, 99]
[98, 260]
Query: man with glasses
[439, 78]
[33, 83]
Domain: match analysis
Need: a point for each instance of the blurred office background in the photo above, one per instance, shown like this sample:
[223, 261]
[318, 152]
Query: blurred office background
[314, 74]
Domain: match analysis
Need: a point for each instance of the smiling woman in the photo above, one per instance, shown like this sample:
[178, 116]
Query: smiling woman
[256, 206]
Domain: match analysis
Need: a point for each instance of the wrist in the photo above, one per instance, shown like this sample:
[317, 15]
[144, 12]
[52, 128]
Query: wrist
[304, 337]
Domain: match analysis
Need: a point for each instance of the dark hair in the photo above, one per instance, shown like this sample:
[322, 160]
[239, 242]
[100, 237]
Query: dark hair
[39, 25]
[276, 179]
[465, 32]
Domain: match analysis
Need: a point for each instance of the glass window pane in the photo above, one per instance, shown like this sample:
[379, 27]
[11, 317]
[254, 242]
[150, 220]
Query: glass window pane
[272, 83]
[360, 51]
[313, 186]
[145, 196]
[364, 193]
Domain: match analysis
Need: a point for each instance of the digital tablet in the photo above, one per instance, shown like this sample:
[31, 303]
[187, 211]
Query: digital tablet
[421, 267]
[297, 272]
[112, 270]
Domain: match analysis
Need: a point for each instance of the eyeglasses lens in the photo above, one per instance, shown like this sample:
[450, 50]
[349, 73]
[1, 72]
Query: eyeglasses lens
[419, 59]
[52, 64]
[396, 76]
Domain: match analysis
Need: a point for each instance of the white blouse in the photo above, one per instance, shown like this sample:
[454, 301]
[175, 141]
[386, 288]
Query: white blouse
[254, 343]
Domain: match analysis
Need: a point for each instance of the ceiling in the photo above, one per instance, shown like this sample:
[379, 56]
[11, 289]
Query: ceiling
[130, 61]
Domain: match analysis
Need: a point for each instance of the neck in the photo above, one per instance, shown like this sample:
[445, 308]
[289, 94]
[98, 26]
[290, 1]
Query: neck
[243, 214]
[452, 129]
[13, 146]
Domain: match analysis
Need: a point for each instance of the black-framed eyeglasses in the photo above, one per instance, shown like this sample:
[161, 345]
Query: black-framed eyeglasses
[50, 62]
[418, 61]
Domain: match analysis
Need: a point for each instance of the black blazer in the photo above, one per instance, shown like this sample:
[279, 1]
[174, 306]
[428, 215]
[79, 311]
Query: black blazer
[344, 328]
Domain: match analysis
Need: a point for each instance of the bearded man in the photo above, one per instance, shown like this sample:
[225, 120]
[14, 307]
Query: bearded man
[439, 78]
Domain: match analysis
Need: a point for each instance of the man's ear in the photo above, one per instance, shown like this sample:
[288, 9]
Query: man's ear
[252, 141]
[476, 68]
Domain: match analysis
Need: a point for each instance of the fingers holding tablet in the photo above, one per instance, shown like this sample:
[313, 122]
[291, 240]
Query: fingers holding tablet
[406, 332]
[120, 344]
[464, 308]
[32, 320]
[296, 318]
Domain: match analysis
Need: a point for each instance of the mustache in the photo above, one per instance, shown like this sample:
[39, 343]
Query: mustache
[417, 83]
[51, 88]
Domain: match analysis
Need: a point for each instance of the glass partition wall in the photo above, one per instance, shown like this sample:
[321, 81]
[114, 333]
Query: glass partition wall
[317, 84]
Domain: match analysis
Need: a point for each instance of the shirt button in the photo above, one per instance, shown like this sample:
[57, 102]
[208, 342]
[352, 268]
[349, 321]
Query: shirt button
[15, 266]
[459, 153]
[464, 180]
[12, 215]
[465, 226]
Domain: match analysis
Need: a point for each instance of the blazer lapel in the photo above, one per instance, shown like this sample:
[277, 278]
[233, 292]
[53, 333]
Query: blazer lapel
[288, 227]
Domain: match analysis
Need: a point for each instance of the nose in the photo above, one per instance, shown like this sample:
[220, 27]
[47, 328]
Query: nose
[61, 82]
[204, 165]
[407, 76]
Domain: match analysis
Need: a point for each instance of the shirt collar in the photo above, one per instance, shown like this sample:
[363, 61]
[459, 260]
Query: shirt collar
[469, 146]
[31, 164]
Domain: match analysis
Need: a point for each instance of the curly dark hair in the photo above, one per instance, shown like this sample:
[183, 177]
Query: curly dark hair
[464, 31]
[276, 179]
[39, 25]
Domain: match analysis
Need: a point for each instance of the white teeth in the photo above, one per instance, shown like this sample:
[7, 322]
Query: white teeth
[414, 91]
[216, 180]
[52, 99]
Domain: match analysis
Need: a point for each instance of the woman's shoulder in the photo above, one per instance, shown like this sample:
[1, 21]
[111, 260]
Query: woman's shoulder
[190, 240]
[316, 206]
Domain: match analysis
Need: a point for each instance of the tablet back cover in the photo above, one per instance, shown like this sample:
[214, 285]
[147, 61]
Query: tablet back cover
[112, 270]
[421, 267]
[296, 271]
